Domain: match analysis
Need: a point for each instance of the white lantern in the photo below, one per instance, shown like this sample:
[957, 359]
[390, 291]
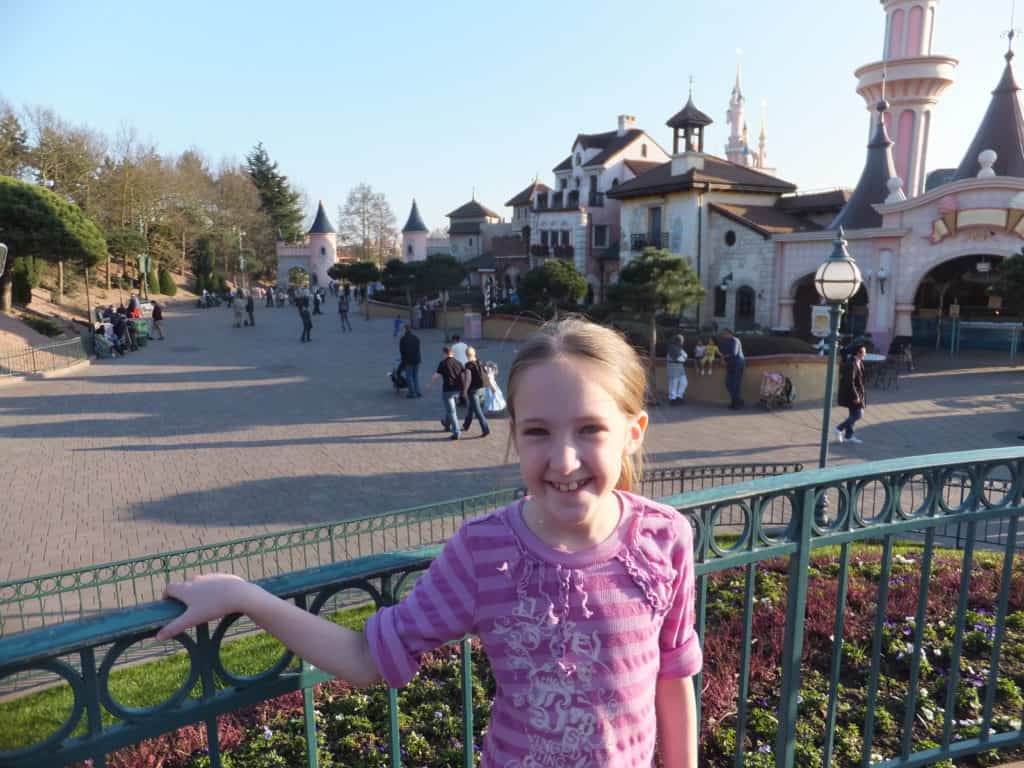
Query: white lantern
[839, 278]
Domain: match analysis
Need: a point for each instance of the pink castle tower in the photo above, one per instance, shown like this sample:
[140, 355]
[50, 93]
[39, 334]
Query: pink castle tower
[912, 79]
[323, 247]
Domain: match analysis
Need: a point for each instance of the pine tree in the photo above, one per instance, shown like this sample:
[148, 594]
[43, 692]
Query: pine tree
[277, 198]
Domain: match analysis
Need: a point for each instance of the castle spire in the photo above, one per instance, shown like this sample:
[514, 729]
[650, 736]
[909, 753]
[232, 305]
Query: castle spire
[736, 148]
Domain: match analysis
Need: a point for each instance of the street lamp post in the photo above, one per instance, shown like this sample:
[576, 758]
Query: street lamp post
[837, 281]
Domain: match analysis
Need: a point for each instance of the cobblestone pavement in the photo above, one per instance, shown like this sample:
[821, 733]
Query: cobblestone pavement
[220, 432]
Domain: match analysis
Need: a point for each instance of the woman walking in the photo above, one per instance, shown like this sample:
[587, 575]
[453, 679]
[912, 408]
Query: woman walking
[675, 360]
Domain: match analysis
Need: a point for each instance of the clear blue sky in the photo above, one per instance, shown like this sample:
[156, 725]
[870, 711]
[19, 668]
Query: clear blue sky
[430, 100]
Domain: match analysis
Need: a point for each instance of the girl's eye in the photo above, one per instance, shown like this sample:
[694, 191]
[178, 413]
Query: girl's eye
[592, 429]
[535, 432]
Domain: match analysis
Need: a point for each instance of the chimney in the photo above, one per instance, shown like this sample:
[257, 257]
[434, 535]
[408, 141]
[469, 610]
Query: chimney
[626, 123]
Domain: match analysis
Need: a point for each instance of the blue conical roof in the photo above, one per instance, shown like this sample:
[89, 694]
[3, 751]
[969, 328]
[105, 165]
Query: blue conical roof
[321, 224]
[872, 189]
[415, 222]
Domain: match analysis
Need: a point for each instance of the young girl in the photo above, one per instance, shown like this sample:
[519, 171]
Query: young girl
[707, 360]
[582, 593]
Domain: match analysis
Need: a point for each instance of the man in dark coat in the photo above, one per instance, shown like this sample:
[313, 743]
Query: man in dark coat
[852, 395]
[735, 363]
[250, 307]
[307, 321]
[409, 349]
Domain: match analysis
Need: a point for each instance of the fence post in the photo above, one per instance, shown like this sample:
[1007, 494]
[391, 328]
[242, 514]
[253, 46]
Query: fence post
[793, 642]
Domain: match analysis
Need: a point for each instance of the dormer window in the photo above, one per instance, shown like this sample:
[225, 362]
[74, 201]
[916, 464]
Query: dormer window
[579, 159]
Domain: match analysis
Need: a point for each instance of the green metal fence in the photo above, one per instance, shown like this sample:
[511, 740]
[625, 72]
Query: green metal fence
[878, 502]
[57, 597]
[48, 357]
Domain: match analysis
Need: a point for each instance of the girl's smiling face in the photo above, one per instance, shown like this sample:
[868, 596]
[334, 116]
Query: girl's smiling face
[571, 435]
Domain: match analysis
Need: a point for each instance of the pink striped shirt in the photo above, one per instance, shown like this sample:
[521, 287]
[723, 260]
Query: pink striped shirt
[576, 641]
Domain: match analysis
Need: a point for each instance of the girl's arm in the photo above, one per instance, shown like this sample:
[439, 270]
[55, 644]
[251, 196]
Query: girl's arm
[327, 646]
[677, 722]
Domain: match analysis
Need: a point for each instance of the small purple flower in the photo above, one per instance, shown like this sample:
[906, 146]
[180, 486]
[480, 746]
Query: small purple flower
[267, 733]
[764, 749]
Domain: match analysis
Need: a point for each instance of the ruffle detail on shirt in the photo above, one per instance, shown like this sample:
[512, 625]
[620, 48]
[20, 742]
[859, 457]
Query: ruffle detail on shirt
[644, 557]
[569, 581]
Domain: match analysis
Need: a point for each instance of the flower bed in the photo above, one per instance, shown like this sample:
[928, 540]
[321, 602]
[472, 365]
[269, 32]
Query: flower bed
[353, 724]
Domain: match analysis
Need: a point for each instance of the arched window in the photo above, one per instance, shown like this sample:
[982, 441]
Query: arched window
[643, 150]
[615, 183]
[409, 247]
[730, 238]
[323, 251]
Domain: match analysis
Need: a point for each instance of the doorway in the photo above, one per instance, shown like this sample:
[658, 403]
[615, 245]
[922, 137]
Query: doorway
[746, 306]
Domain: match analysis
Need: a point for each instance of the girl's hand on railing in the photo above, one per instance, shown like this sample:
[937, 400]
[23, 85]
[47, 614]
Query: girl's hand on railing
[206, 597]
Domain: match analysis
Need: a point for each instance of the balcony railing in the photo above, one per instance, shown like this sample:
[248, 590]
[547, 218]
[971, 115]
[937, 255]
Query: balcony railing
[648, 240]
[742, 532]
[595, 200]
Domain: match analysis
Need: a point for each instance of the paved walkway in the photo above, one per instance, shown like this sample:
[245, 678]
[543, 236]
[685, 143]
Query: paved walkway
[219, 432]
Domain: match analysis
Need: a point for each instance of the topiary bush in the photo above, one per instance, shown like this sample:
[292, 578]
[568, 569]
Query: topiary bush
[21, 277]
[167, 285]
[154, 282]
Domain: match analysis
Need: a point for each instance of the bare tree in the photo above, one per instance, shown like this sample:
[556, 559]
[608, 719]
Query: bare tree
[382, 227]
[355, 221]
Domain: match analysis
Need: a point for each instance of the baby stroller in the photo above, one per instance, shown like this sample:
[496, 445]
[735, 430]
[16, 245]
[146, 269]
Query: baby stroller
[397, 377]
[777, 391]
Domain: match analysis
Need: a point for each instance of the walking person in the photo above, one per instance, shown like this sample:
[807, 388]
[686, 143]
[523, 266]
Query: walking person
[459, 348]
[735, 363]
[449, 370]
[409, 349]
[302, 302]
[316, 302]
[270, 296]
[343, 312]
[474, 388]
[675, 368]
[250, 307]
[582, 593]
[158, 318]
[852, 395]
[236, 309]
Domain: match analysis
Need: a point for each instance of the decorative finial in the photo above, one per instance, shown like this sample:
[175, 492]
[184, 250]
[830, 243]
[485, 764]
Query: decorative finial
[1012, 32]
[739, 62]
[691, 87]
[883, 105]
[474, 193]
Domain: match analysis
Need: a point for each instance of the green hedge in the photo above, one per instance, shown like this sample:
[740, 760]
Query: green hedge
[167, 285]
[43, 325]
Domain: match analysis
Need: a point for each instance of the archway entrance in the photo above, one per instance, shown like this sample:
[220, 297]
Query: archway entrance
[967, 282]
[746, 306]
[805, 296]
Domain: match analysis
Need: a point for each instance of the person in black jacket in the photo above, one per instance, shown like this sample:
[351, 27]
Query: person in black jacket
[250, 307]
[852, 395]
[409, 349]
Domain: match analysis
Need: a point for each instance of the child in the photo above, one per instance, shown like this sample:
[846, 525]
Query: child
[582, 593]
[398, 326]
[698, 349]
[707, 360]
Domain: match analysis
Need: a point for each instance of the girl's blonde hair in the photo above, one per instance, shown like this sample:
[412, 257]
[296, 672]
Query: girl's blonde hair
[624, 377]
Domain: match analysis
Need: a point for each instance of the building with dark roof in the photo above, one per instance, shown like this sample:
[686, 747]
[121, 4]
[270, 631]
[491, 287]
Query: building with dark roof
[465, 230]
[414, 236]
[925, 240]
[315, 254]
[574, 219]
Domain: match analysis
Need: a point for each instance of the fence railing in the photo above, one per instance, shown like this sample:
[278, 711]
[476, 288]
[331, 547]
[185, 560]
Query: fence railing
[48, 357]
[57, 597]
[872, 502]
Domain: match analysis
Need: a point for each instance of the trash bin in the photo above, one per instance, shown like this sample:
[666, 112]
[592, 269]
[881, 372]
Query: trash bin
[472, 325]
[141, 331]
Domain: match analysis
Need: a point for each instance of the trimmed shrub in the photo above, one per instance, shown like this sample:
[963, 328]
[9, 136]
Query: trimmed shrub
[21, 277]
[167, 285]
[154, 282]
[43, 325]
